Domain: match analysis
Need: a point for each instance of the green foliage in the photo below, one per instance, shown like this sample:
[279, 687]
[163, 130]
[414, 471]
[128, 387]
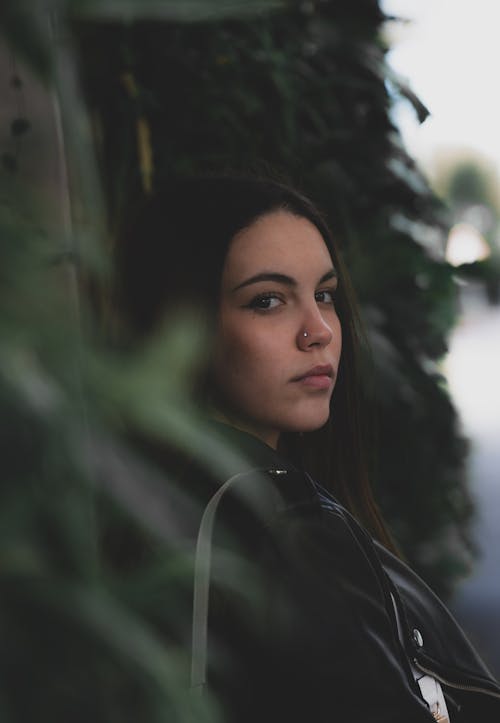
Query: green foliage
[27, 24]
[86, 635]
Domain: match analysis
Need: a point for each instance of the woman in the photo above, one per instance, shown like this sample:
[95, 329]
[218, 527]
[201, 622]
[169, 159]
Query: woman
[340, 628]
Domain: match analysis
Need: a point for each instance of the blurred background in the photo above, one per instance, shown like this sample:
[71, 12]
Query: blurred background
[385, 113]
[447, 53]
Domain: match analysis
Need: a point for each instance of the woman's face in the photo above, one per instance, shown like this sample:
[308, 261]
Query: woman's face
[279, 337]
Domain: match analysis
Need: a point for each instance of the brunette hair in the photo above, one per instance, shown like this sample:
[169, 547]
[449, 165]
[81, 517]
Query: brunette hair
[171, 252]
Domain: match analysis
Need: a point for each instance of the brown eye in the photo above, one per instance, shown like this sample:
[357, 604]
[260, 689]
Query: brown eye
[327, 296]
[265, 302]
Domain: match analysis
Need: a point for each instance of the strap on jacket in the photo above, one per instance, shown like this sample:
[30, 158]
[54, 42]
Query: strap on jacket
[201, 587]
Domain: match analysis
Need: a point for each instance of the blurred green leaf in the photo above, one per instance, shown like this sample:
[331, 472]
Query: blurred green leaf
[171, 10]
[132, 638]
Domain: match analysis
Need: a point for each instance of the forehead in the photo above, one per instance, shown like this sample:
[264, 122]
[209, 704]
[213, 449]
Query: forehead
[278, 241]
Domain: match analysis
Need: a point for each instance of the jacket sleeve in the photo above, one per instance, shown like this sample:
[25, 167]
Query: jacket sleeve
[438, 645]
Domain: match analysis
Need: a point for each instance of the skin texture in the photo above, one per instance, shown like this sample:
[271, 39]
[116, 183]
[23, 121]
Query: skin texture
[262, 357]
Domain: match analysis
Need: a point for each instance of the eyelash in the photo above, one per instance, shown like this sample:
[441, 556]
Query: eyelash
[256, 301]
[331, 291]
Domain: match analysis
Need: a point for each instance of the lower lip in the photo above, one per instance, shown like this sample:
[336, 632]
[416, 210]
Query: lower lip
[317, 381]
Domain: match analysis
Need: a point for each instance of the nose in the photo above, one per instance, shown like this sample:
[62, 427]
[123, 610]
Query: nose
[314, 331]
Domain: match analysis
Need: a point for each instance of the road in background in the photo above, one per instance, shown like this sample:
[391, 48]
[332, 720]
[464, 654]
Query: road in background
[473, 372]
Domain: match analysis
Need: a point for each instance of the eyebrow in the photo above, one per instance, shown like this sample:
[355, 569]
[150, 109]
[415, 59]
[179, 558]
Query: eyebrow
[281, 278]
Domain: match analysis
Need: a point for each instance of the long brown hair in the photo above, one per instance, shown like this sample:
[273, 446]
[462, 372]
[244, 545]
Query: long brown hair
[172, 251]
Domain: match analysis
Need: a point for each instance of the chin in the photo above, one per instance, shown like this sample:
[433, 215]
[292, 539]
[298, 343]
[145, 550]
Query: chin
[310, 422]
[313, 427]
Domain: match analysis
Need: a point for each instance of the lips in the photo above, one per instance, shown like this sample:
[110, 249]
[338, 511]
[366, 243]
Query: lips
[319, 377]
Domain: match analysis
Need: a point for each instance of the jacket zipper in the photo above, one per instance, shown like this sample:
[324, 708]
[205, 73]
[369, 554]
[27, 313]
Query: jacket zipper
[428, 671]
[458, 686]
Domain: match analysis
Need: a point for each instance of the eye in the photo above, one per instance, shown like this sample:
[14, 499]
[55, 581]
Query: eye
[265, 302]
[325, 296]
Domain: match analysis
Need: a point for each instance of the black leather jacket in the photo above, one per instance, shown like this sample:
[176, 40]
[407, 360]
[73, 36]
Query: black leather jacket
[316, 639]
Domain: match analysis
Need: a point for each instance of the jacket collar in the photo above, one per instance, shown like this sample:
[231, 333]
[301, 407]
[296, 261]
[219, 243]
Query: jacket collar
[295, 486]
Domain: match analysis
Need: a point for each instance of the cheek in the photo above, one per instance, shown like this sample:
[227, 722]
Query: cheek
[337, 338]
[240, 352]
[246, 361]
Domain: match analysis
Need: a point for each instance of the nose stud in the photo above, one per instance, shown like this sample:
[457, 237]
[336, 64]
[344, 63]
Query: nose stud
[305, 334]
